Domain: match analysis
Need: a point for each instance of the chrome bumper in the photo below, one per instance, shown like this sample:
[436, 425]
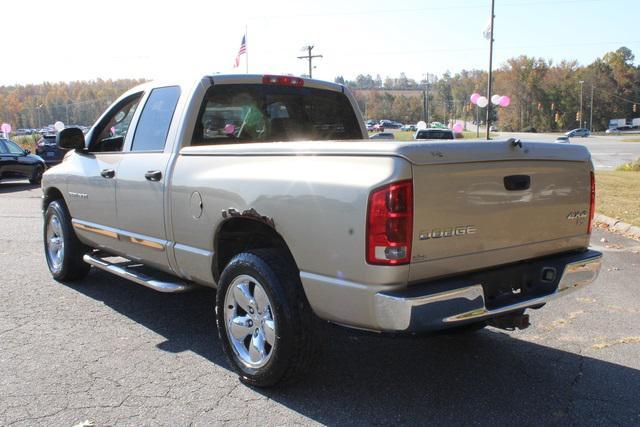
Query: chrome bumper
[433, 310]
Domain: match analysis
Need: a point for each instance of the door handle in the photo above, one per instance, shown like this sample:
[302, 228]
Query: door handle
[108, 173]
[153, 175]
[517, 182]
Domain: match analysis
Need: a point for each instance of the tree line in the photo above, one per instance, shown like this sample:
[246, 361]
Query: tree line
[545, 96]
[74, 103]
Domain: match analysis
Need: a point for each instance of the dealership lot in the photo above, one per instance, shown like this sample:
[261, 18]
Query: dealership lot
[111, 352]
[607, 151]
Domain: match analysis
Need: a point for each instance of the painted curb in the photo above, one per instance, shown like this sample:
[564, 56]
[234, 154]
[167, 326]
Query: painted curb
[619, 226]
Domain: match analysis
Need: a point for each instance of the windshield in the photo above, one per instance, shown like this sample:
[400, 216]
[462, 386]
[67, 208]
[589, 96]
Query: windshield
[260, 113]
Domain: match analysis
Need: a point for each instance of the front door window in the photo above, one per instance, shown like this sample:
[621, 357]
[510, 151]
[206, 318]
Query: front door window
[109, 135]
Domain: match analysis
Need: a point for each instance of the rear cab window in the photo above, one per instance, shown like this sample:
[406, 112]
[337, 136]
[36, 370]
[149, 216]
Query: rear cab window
[153, 125]
[235, 113]
[434, 134]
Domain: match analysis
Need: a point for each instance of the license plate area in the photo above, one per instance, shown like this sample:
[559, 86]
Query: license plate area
[520, 282]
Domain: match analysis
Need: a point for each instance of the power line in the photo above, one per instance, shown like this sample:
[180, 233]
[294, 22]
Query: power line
[630, 101]
[471, 49]
[418, 9]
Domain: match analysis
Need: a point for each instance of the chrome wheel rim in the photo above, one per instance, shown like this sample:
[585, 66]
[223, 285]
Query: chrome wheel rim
[55, 242]
[250, 321]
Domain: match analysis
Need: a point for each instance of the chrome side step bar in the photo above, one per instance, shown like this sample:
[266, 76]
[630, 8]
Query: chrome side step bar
[138, 277]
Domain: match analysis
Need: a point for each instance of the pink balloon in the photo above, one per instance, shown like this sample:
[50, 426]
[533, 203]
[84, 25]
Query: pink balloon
[474, 98]
[6, 127]
[505, 101]
[229, 129]
[457, 128]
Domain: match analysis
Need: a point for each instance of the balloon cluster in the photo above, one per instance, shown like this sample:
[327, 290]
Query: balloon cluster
[482, 101]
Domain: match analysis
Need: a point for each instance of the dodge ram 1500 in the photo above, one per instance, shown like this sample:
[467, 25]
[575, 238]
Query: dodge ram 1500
[267, 189]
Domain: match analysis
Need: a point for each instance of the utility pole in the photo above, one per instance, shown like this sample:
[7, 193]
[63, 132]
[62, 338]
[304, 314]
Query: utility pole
[39, 116]
[425, 93]
[591, 111]
[309, 57]
[580, 121]
[493, 3]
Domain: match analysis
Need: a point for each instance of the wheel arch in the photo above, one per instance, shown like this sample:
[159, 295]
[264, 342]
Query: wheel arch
[49, 195]
[239, 234]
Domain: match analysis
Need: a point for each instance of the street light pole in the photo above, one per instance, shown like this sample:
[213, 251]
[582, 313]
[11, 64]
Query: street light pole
[591, 111]
[490, 66]
[580, 121]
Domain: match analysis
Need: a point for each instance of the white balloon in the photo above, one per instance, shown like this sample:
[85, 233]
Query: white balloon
[421, 125]
[58, 126]
[495, 99]
[483, 101]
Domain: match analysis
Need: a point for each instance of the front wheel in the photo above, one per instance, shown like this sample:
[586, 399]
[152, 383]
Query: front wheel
[264, 321]
[63, 251]
[36, 178]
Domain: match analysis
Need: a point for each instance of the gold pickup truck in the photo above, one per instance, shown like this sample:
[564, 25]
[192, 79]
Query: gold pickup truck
[268, 189]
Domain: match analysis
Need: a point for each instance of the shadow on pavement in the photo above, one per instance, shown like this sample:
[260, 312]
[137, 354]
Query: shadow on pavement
[16, 186]
[486, 377]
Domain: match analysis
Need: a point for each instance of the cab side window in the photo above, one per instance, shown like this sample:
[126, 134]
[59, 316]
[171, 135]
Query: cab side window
[155, 119]
[111, 133]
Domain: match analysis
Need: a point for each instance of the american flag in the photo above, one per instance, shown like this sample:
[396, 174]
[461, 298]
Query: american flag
[243, 50]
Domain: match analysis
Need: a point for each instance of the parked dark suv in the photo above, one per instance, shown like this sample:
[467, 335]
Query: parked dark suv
[47, 149]
[18, 163]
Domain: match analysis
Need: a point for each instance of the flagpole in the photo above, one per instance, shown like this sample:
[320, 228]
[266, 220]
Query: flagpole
[490, 66]
[246, 44]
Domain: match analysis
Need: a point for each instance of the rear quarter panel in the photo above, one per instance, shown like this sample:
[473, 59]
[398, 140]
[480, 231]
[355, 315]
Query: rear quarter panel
[317, 203]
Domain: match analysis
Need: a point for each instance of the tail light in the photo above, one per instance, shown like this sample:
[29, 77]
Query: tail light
[282, 80]
[390, 224]
[592, 202]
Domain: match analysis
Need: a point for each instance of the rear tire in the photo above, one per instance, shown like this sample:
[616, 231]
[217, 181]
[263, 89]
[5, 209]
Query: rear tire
[265, 323]
[63, 251]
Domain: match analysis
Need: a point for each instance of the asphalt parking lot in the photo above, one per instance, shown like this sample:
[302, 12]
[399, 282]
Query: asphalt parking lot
[108, 351]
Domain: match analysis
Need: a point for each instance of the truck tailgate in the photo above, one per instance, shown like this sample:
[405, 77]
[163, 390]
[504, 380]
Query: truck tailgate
[471, 215]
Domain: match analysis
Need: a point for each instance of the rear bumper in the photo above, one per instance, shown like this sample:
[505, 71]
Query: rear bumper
[471, 298]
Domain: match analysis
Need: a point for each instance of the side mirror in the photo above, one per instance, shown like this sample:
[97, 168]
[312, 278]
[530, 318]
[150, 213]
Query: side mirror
[70, 139]
[27, 152]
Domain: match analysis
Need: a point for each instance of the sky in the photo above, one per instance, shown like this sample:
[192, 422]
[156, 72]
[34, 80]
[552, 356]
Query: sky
[67, 40]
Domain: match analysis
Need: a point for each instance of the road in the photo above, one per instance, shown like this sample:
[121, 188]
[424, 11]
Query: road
[607, 152]
[108, 351]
